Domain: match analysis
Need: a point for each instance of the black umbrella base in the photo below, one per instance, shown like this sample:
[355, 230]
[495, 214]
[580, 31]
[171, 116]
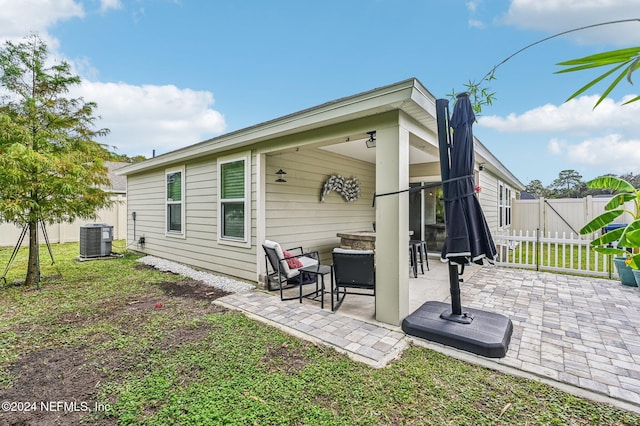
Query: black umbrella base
[488, 334]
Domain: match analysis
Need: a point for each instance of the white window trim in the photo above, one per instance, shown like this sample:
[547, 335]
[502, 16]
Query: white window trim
[499, 202]
[504, 205]
[508, 212]
[246, 241]
[167, 232]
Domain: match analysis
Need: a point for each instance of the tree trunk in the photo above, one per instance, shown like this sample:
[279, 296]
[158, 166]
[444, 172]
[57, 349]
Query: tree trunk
[33, 267]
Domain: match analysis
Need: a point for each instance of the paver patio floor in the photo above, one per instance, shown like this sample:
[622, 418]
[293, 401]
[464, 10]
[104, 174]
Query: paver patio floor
[578, 333]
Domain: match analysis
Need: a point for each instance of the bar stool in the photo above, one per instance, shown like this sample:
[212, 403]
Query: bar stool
[413, 258]
[419, 248]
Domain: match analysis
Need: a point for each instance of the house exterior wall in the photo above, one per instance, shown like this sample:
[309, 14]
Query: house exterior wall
[199, 246]
[402, 115]
[489, 199]
[294, 214]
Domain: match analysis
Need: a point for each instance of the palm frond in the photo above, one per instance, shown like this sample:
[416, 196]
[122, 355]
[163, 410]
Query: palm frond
[593, 82]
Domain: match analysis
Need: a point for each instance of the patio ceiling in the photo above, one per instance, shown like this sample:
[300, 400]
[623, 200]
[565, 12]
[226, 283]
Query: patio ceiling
[419, 151]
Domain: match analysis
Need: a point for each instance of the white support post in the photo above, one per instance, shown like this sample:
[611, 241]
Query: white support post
[260, 211]
[392, 225]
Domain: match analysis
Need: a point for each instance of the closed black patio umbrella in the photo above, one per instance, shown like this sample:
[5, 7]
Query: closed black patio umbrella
[468, 237]
[468, 240]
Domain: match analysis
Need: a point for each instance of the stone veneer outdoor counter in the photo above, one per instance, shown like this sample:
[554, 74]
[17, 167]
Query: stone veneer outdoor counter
[358, 240]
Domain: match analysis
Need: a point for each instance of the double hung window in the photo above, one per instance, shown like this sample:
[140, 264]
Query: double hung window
[233, 201]
[175, 201]
[504, 205]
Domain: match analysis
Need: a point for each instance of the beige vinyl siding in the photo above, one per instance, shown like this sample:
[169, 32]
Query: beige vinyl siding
[199, 247]
[145, 197]
[294, 214]
[489, 199]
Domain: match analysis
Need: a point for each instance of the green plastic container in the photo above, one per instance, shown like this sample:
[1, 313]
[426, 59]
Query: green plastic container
[636, 274]
[624, 272]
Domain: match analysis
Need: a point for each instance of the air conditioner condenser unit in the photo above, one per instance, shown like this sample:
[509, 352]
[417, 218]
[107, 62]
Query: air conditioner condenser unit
[95, 240]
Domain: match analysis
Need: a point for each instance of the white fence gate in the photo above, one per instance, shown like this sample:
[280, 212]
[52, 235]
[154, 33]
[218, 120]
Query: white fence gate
[552, 252]
[559, 214]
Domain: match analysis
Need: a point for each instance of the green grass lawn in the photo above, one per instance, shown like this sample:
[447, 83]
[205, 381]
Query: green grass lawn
[555, 256]
[95, 335]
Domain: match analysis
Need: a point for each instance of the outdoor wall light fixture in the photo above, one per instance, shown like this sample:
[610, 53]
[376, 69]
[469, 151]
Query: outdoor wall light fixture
[371, 142]
[280, 174]
[481, 167]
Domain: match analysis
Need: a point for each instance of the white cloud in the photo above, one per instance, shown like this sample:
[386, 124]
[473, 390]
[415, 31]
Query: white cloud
[611, 152]
[576, 116]
[556, 16]
[599, 155]
[476, 23]
[84, 68]
[472, 5]
[106, 5]
[556, 146]
[19, 18]
[141, 118]
[144, 118]
[601, 140]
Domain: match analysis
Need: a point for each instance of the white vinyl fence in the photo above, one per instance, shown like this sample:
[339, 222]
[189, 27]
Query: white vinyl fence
[552, 252]
[559, 215]
[115, 216]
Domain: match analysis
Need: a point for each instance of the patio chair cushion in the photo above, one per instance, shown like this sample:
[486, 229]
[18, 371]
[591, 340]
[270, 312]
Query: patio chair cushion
[307, 261]
[352, 251]
[285, 269]
[273, 245]
[293, 262]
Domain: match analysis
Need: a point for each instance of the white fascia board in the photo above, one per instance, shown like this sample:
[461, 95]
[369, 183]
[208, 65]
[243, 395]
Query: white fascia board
[424, 98]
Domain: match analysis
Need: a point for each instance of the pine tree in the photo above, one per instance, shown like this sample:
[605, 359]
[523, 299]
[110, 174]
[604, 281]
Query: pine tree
[536, 188]
[567, 184]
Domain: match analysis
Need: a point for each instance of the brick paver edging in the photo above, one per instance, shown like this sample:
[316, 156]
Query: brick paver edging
[371, 344]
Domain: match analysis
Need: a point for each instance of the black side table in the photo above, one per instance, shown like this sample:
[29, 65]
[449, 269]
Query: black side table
[317, 271]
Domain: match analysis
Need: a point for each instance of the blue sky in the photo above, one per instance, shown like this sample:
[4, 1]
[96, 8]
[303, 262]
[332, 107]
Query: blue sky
[167, 74]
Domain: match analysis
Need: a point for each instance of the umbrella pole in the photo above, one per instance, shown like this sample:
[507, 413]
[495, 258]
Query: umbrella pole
[454, 289]
[456, 313]
[442, 107]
